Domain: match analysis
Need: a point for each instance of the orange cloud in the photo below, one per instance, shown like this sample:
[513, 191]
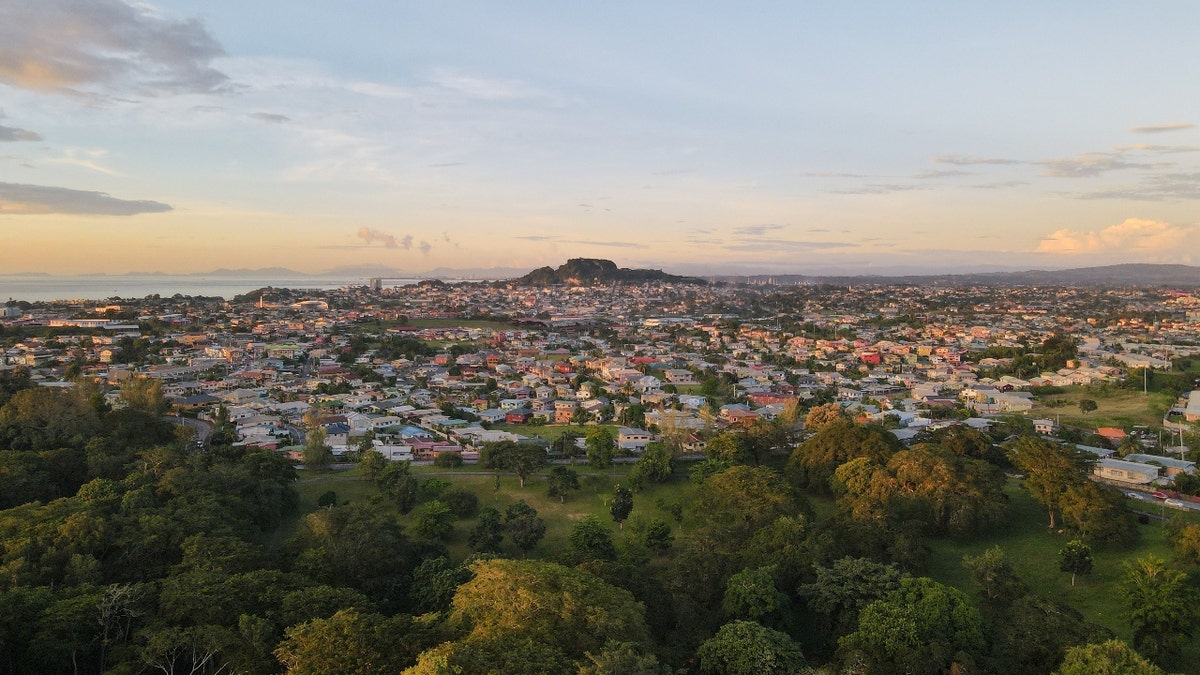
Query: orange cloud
[1134, 234]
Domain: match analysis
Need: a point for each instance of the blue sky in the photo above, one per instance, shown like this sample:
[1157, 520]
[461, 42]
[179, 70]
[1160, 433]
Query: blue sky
[696, 137]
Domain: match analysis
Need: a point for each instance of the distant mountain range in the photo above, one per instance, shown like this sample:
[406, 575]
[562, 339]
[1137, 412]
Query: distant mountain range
[591, 270]
[1129, 274]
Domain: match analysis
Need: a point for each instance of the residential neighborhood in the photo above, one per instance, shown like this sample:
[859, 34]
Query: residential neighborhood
[422, 369]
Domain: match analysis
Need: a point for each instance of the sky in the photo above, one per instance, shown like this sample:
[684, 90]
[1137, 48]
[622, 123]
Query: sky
[696, 137]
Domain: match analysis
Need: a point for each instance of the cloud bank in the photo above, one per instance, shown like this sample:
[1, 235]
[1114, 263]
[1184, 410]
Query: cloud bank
[78, 46]
[21, 199]
[1135, 234]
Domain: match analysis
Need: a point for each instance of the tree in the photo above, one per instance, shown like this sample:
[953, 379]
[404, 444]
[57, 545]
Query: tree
[450, 459]
[397, 483]
[1107, 658]
[622, 505]
[842, 589]
[433, 520]
[488, 531]
[1098, 513]
[1030, 634]
[523, 525]
[924, 627]
[317, 454]
[749, 648]
[655, 464]
[658, 537]
[521, 459]
[600, 444]
[1087, 405]
[620, 658]
[814, 461]
[531, 616]
[1076, 558]
[462, 502]
[145, 395]
[994, 574]
[562, 480]
[1050, 469]
[821, 416]
[1161, 605]
[347, 643]
[591, 540]
[751, 594]
[740, 500]
[370, 463]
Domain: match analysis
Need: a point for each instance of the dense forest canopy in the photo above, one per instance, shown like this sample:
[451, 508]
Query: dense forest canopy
[125, 548]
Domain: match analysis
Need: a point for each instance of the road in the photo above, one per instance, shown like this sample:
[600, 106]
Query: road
[203, 429]
[1150, 500]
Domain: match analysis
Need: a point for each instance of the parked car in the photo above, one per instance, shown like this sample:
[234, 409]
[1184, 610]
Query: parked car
[1158, 495]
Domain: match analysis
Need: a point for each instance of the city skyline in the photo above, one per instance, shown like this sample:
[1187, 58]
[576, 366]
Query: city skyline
[181, 136]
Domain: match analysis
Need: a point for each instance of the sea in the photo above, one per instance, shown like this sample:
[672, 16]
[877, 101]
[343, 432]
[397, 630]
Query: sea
[45, 288]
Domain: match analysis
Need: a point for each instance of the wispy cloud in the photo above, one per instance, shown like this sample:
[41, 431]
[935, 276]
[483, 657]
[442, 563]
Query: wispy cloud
[1089, 164]
[104, 46]
[776, 245]
[425, 247]
[1146, 236]
[1163, 187]
[21, 199]
[755, 230]
[881, 189]
[1000, 185]
[933, 175]
[1161, 149]
[488, 89]
[968, 160]
[10, 134]
[270, 118]
[1162, 128]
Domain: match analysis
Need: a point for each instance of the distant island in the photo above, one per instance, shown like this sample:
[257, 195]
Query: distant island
[591, 271]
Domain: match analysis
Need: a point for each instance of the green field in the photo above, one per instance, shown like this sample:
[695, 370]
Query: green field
[1122, 408]
[591, 499]
[460, 323]
[550, 432]
[1033, 550]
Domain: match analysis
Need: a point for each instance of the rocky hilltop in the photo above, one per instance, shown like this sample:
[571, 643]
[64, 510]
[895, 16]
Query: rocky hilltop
[591, 271]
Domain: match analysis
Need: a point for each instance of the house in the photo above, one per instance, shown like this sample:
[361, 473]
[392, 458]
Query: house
[634, 440]
[1112, 434]
[1170, 465]
[1044, 427]
[519, 416]
[1121, 471]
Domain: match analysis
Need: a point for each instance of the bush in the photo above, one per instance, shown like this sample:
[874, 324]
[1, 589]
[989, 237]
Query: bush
[448, 460]
[434, 487]
[461, 502]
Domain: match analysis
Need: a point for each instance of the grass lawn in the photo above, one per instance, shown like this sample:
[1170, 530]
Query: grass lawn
[592, 498]
[1116, 407]
[1033, 551]
[460, 323]
[550, 432]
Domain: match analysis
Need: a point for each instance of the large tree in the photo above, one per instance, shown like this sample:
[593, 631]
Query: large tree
[521, 459]
[749, 648]
[1161, 605]
[1050, 470]
[1112, 657]
[529, 616]
[923, 627]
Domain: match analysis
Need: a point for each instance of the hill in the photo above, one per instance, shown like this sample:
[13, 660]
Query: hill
[1130, 274]
[590, 271]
